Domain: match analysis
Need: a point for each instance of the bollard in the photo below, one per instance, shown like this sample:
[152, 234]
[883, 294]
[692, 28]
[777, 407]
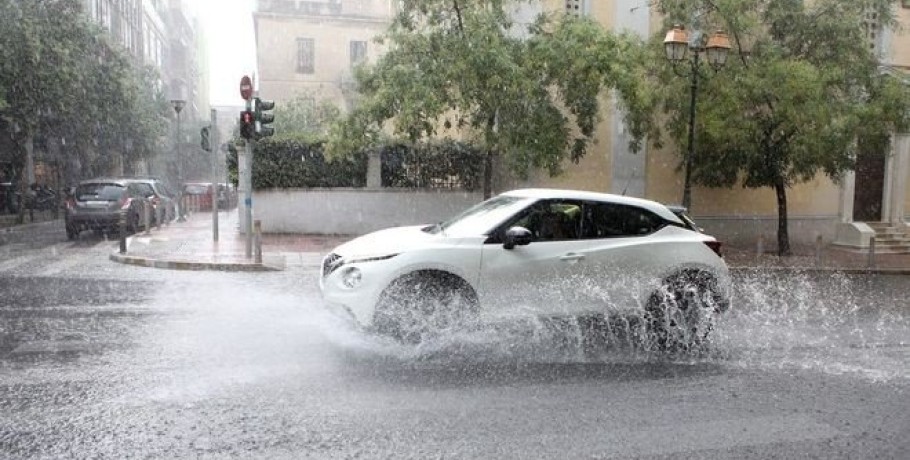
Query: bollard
[122, 225]
[871, 252]
[147, 216]
[257, 228]
[818, 251]
[760, 245]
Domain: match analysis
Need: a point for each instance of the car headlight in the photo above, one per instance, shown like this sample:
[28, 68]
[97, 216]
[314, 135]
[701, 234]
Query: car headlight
[351, 277]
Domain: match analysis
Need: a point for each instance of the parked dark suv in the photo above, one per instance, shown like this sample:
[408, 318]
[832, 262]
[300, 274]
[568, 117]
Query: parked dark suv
[97, 204]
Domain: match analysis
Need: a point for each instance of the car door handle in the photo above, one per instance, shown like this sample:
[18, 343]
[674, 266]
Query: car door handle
[571, 257]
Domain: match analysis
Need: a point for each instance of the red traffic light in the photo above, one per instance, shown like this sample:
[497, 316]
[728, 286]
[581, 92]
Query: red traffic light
[247, 124]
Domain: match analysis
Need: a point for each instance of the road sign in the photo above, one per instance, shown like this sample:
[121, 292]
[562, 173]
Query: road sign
[246, 88]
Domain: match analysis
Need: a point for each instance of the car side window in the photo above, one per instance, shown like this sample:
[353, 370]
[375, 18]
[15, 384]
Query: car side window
[552, 220]
[146, 190]
[610, 220]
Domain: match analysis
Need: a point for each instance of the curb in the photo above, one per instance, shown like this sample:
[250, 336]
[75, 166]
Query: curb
[187, 265]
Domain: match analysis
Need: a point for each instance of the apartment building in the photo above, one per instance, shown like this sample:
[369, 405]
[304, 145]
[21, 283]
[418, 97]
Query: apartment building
[312, 47]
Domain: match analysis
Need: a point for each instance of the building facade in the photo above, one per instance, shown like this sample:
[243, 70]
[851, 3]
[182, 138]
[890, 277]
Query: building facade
[313, 45]
[310, 48]
[872, 198]
[160, 34]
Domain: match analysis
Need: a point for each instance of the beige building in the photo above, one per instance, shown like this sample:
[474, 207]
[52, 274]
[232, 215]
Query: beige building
[873, 198]
[312, 47]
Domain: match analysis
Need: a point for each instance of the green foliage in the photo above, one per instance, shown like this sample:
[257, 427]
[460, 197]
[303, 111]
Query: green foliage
[444, 164]
[305, 115]
[527, 93]
[288, 162]
[61, 77]
[800, 87]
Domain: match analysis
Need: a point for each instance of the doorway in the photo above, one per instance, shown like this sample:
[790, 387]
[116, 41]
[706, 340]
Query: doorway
[870, 180]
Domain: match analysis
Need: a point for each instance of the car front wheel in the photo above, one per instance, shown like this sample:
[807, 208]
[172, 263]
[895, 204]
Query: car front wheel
[420, 305]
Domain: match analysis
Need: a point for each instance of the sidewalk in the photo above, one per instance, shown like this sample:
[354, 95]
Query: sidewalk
[189, 246]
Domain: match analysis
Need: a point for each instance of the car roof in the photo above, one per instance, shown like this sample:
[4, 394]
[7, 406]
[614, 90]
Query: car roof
[550, 193]
[105, 180]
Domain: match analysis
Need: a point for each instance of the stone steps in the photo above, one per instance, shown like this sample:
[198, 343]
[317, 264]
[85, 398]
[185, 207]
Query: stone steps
[890, 239]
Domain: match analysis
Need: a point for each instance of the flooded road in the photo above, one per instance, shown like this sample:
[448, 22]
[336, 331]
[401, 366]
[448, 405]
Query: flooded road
[106, 360]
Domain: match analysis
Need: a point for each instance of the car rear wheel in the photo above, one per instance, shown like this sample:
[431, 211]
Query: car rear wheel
[423, 304]
[681, 314]
[72, 232]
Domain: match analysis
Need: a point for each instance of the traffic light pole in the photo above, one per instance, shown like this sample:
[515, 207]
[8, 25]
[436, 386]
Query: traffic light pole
[244, 185]
[215, 151]
[248, 199]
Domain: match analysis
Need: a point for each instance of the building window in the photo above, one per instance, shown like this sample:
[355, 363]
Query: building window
[873, 28]
[358, 52]
[306, 55]
[575, 7]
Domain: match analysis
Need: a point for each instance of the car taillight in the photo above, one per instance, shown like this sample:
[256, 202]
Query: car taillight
[155, 201]
[70, 203]
[125, 202]
[715, 246]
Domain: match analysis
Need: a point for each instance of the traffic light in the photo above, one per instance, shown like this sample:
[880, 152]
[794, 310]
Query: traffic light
[262, 118]
[205, 143]
[247, 124]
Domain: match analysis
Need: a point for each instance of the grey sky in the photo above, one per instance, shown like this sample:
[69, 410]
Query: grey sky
[228, 27]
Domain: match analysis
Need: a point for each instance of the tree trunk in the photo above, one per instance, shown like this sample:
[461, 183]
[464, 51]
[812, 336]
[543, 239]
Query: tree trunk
[27, 176]
[783, 238]
[488, 175]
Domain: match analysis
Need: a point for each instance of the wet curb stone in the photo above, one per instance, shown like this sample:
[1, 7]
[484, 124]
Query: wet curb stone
[188, 265]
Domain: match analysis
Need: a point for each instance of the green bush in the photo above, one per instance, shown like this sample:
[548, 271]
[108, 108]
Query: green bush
[444, 164]
[300, 163]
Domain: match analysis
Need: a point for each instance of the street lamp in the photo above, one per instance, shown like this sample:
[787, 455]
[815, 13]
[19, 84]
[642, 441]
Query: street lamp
[178, 106]
[677, 43]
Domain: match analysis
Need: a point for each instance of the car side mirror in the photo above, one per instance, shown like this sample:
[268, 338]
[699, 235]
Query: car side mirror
[517, 236]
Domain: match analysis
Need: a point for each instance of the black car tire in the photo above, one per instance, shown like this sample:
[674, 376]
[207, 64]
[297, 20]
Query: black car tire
[420, 305]
[71, 232]
[681, 314]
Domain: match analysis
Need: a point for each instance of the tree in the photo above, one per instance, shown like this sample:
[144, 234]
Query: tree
[61, 78]
[305, 115]
[800, 91]
[526, 93]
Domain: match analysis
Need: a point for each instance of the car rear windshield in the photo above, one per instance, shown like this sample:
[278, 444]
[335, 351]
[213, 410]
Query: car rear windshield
[196, 189]
[99, 192]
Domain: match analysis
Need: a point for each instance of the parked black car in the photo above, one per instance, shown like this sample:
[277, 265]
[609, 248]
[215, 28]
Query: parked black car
[97, 204]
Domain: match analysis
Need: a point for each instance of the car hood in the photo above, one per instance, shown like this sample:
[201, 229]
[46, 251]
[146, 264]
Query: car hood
[385, 242]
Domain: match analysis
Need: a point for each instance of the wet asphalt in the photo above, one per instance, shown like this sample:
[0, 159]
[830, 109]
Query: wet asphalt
[101, 360]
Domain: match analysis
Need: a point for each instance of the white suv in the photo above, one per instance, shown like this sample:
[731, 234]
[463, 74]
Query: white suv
[537, 252]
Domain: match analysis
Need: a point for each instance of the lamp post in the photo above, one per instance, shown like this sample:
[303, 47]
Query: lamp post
[178, 106]
[677, 43]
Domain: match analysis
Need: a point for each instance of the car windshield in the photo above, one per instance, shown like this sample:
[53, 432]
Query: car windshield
[483, 217]
[99, 192]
